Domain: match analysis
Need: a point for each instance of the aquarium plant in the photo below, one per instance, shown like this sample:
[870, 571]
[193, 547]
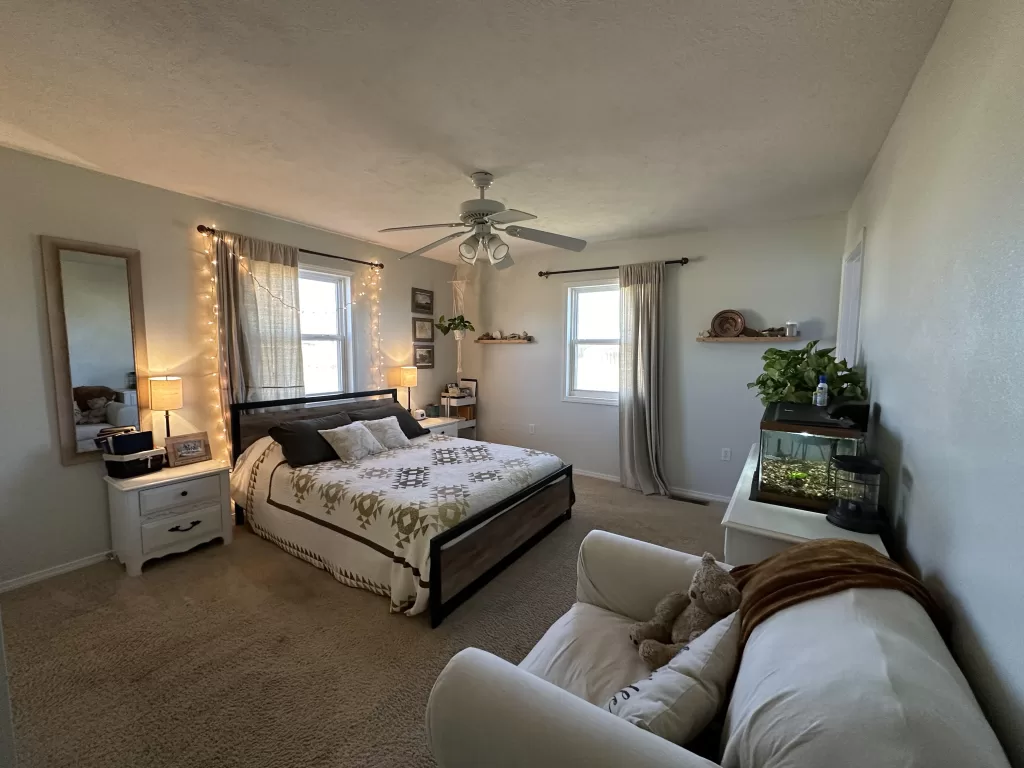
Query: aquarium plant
[791, 376]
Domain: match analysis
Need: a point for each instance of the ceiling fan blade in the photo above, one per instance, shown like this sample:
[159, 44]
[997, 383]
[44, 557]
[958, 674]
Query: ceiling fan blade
[509, 216]
[434, 244]
[548, 238]
[421, 226]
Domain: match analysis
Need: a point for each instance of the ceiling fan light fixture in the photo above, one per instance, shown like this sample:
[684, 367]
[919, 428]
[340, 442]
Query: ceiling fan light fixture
[468, 249]
[496, 249]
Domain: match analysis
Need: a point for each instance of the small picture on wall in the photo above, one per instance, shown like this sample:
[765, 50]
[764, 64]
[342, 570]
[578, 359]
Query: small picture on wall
[422, 329]
[187, 449]
[423, 355]
[422, 301]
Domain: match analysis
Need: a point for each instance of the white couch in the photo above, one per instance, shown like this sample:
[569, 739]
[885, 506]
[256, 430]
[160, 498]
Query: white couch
[860, 678]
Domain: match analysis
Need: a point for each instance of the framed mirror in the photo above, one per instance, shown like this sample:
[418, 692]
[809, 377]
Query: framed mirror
[97, 342]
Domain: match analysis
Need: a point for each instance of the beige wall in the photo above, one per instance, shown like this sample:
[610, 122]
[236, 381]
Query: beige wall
[943, 307]
[773, 273]
[51, 514]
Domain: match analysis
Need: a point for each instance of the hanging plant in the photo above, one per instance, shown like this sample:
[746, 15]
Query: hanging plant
[791, 376]
[457, 323]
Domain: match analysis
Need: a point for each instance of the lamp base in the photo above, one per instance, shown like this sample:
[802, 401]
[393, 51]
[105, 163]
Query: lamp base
[167, 422]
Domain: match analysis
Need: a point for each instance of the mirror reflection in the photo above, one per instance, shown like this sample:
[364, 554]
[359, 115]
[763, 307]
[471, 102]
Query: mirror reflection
[101, 352]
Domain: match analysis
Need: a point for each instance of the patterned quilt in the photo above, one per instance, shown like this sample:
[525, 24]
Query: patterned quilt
[374, 518]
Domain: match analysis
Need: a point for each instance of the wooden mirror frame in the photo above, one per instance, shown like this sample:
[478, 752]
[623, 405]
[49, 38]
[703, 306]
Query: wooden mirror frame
[59, 352]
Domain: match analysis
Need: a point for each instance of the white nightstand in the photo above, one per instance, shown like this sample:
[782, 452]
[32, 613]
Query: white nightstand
[442, 425]
[755, 530]
[169, 511]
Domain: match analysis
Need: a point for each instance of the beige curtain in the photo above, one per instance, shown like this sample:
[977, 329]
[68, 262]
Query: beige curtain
[258, 294]
[640, 377]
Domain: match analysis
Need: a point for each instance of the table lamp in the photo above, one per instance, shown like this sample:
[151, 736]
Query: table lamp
[165, 395]
[404, 377]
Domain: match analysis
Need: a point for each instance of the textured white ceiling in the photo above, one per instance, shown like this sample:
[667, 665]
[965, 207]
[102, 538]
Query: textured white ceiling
[606, 118]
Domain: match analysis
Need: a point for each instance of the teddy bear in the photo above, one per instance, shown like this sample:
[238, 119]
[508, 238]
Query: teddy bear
[682, 617]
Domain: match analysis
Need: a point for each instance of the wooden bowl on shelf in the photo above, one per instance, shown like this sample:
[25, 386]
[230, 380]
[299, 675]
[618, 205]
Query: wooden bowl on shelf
[728, 323]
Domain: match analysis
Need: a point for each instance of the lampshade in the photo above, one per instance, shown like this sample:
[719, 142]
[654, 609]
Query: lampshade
[165, 393]
[408, 376]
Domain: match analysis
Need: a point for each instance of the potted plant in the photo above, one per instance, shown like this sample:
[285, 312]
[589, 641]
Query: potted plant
[459, 324]
[791, 376]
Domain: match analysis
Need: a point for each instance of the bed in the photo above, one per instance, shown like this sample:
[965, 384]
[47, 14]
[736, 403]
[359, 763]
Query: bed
[425, 526]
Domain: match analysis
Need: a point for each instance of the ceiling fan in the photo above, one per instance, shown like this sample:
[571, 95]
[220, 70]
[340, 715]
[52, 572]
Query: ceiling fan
[478, 218]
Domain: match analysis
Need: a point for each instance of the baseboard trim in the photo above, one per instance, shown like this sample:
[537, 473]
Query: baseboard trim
[46, 573]
[598, 475]
[697, 495]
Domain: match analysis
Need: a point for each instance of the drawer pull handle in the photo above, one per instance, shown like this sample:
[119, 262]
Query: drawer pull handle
[179, 529]
[184, 493]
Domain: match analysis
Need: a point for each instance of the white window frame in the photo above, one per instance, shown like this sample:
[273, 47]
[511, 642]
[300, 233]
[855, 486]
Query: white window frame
[343, 279]
[569, 394]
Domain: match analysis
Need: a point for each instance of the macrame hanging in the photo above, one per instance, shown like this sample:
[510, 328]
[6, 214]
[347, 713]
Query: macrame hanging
[459, 305]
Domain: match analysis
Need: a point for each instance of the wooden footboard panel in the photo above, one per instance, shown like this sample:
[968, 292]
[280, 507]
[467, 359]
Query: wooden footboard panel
[469, 555]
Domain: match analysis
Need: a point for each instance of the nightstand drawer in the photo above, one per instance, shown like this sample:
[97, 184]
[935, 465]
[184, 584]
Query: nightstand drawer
[183, 528]
[180, 494]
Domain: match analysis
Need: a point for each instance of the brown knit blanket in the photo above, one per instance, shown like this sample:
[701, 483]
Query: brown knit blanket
[815, 569]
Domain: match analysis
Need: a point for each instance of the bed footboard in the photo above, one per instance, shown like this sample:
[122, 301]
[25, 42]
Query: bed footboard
[468, 555]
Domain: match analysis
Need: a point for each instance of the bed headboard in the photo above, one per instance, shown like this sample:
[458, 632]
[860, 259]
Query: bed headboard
[251, 421]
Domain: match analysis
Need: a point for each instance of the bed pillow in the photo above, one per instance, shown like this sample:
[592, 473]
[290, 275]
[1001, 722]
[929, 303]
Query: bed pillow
[678, 700]
[409, 425]
[388, 432]
[352, 442]
[301, 441]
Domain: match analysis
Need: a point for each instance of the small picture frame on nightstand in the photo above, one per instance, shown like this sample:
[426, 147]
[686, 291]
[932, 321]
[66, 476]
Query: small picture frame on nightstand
[188, 449]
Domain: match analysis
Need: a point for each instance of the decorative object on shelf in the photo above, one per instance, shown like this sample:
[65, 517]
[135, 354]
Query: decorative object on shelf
[728, 323]
[744, 339]
[453, 390]
[422, 329]
[423, 301]
[791, 376]
[165, 394]
[792, 330]
[406, 376]
[855, 484]
[187, 449]
[423, 355]
[510, 338]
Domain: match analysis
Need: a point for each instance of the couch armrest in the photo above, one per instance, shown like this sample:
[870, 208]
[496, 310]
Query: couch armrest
[122, 415]
[629, 577]
[484, 711]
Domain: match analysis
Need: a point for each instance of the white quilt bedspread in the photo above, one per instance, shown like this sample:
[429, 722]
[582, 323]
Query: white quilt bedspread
[369, 522]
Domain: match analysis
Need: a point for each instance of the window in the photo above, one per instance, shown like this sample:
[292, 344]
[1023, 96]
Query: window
[592, 343]
[325, 323]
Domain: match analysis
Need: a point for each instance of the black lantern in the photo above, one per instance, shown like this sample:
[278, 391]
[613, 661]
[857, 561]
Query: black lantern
[855, 484]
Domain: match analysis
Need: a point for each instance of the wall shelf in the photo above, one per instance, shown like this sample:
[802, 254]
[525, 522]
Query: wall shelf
[747, 339]
[503, 341]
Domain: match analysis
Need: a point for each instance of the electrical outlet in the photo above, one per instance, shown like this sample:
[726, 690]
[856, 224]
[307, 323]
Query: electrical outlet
[726, 454]
[532, 429]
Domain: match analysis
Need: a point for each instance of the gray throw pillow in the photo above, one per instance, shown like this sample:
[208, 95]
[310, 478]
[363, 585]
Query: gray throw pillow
[409, 425]
[387, 432]
[301, 441]
[352, 442]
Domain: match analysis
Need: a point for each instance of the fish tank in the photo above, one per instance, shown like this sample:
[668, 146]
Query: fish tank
[797, 443]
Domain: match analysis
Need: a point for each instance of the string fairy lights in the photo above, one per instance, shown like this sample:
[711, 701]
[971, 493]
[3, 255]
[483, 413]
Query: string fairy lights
[371, 289]
[212, 345]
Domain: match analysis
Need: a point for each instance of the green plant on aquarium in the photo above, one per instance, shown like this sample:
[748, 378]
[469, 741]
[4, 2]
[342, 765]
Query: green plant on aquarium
[457, 323]
[791, 376]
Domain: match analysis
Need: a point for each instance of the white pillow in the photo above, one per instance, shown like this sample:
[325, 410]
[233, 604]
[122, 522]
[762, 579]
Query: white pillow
[678, 700]
[352, 442]
[387, 432]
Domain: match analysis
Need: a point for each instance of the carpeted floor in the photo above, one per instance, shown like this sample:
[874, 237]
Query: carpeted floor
[246, 656]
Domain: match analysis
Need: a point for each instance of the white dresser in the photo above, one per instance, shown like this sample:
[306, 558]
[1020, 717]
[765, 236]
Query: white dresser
[169, 511]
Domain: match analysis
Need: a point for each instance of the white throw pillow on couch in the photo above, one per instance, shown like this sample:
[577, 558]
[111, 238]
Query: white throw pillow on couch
[678, 700]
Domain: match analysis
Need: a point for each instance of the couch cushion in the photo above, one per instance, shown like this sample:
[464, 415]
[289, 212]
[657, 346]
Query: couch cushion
[859, 678]
[588, 653]
[678, 700]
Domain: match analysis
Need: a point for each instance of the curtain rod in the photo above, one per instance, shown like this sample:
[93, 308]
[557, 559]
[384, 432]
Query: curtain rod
[598, 269]
[205, 230]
